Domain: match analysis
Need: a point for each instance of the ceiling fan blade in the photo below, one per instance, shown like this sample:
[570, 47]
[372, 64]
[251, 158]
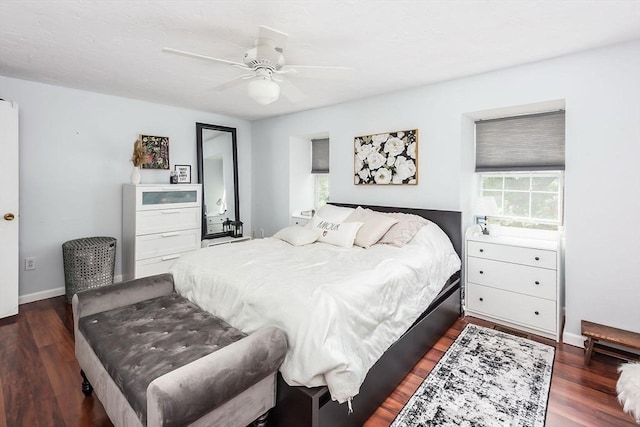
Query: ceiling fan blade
[278, 37]
[318, 72]
[208, 58]
[233, 82]
[290, 91]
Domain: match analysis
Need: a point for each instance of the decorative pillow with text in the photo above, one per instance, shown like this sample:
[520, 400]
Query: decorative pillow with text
[340, 234]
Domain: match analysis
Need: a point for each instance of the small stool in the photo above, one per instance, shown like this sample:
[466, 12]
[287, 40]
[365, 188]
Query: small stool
[88, 263]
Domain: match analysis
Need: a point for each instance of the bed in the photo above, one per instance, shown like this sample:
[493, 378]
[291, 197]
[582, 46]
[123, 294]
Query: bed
[355, 318]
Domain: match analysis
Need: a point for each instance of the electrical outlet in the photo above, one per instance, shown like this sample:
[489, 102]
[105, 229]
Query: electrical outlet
[30, 263]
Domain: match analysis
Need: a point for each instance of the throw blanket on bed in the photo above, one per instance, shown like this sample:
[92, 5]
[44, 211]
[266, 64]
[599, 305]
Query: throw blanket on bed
[340, 308]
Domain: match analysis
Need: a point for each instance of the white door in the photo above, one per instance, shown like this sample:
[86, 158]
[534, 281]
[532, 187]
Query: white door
[8, 209]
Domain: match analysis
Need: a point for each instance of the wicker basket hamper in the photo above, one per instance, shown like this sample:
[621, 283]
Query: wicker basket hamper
[88, 263]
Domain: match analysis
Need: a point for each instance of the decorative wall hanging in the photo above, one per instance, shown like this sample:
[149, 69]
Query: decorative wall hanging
[157, 149]
[387, 158]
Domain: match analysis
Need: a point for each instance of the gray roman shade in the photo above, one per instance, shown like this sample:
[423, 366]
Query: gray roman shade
[320, 155]
[531, 142]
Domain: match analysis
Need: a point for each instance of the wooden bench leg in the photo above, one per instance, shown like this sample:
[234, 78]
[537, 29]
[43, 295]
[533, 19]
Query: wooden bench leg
[588, 349]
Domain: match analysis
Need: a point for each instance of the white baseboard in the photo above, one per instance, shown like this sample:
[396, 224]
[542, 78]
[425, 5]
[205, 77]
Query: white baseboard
[50, 293]
[37, 296]
[573, 339]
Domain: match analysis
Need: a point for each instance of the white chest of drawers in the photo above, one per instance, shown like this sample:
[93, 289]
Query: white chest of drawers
[517, 282]
[159, 224]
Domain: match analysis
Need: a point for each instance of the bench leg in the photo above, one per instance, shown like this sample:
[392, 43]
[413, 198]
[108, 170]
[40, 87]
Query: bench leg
[588, 349]
[87, 389]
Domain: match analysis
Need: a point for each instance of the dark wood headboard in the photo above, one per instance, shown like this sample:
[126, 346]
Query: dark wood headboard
[449, 221]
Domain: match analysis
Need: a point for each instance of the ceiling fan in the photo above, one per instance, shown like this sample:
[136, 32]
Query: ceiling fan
[266, 67]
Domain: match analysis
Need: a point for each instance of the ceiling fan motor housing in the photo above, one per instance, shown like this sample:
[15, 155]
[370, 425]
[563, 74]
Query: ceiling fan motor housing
[264, 56]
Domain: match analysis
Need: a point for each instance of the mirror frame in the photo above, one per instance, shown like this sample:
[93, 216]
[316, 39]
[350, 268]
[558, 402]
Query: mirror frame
[199, 128]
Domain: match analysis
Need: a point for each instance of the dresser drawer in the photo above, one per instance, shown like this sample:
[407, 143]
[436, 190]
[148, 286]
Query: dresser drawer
[157, 265]
[539, 282]
[527, 256]
[518, 308]
[161, 220]
[170, 242]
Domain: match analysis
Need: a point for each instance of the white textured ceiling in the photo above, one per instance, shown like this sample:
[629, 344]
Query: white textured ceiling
[114, 47]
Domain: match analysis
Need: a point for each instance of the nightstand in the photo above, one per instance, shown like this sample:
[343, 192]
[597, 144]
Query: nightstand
[516, 282]
[300, 220]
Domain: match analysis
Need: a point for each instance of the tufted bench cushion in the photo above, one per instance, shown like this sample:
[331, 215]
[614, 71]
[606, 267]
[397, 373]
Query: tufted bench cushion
[154, 358]
[140, 342]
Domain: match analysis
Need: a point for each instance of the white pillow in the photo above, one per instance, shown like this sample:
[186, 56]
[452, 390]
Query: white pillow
[297, 235]
[334, 213]
[375, 226]
[340, 234]
[404, 230]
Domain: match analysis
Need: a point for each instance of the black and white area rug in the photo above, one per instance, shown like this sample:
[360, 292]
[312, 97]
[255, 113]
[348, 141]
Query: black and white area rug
[486, 378]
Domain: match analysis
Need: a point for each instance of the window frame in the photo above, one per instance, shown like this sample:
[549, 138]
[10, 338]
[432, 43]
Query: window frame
[316, 189]
[529, 221]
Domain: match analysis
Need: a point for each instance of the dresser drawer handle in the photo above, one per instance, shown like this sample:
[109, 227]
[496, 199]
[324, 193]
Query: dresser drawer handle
[168, 257]
[481, 299]
[177, 233]
[481, 250]
[537, 283]
[537, 313]
[172, 211]
[537, 258]
[481, 272]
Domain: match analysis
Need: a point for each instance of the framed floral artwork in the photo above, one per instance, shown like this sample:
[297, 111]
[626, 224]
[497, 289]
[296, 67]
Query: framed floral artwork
[386, 158]
[157, 149]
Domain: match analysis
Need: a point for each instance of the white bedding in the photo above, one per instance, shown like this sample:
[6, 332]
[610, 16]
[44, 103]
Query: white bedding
[340, 308]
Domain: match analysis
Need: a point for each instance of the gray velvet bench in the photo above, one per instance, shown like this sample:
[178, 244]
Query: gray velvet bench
[156, 359]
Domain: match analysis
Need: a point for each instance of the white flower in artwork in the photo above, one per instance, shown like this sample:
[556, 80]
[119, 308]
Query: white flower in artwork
[364, 174]
[400, 135]
[356, 179]
[394, 146]
[390, 161]
[377, 140]
[396, 179]
[412, 181]
[375, 160]
[364, 150]
[357, 143]
[411, 150]
[358, 164]
[405, 169]
[382, 176]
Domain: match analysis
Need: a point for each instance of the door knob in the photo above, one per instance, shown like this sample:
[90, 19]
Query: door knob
[9, 216]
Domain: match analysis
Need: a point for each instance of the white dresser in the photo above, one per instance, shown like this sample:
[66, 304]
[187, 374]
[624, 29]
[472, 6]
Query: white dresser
[517, 282]
[159, 223]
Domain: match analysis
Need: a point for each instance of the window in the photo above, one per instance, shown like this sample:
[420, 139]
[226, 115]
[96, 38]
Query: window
[520, 162]
[321, 190]
[526, 199]
[320, 170]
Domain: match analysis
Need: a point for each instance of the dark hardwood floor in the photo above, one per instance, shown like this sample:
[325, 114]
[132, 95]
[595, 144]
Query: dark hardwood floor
[40, 380]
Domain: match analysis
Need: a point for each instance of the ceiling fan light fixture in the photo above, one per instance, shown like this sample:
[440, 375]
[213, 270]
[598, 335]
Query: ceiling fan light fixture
[264, 90]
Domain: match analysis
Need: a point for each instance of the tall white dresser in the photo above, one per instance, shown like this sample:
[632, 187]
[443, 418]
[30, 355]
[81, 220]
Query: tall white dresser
[160, 223]
[517, 282]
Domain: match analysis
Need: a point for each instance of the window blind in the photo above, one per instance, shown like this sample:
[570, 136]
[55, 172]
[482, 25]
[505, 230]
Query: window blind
[320, 155]
[531, 142]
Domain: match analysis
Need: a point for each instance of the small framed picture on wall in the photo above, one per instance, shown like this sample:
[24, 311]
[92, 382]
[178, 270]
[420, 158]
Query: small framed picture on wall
[183, 173]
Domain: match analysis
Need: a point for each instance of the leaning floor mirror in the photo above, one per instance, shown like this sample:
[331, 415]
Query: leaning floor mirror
[218, 174]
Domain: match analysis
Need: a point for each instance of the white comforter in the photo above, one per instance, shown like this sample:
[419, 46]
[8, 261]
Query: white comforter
[340, 308]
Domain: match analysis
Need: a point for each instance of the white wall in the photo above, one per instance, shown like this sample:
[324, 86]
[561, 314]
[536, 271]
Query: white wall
[75, 148]
[601, 90]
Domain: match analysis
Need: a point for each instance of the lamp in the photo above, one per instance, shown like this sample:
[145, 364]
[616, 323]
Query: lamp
[484, 207]
[226, 227]
[263, 90]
